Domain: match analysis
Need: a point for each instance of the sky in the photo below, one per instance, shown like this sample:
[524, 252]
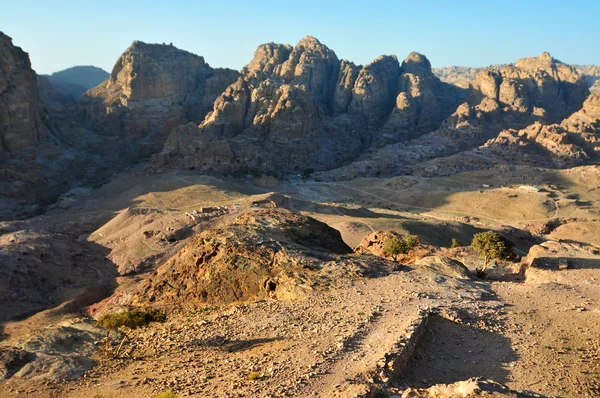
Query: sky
[60, 34]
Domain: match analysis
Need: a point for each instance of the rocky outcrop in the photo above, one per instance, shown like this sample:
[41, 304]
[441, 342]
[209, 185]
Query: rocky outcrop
[423, 103]
[539, 89]
[152, 89]
[575, 141]
[264, 253]
[21, 111]
[299, 108]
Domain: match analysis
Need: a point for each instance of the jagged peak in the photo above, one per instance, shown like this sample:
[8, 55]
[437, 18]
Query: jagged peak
[309, 41]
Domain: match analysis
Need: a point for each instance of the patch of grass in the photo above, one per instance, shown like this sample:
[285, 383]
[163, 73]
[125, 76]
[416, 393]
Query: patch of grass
[165, 394]
[252, 376]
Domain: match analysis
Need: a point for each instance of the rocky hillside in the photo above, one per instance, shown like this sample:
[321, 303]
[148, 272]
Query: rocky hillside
[258, 254]
[300, 107]
[575, 141]
[77, 80]
[152, 89]
[21, 111]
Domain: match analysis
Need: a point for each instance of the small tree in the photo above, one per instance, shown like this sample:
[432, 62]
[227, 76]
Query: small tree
[395, 246]
[120, 322]
[490, 245]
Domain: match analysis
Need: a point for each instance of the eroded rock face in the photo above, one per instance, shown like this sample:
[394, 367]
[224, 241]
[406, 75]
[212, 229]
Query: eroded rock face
[21, 111]
[575, 141]
[501, 101]
[152, 89]
[264, 253]
[423, 103]
[533, 89]
[298, 108]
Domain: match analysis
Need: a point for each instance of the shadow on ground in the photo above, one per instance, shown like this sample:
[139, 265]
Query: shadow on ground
[449, 352]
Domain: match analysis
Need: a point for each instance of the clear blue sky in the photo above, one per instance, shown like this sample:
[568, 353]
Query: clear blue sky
[59, 34]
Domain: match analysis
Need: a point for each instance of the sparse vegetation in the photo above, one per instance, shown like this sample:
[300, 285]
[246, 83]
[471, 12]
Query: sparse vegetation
[490, 245]
[307, 173]
[120, 322]
[165, 394]
[455, 243]
[254, 376]
[396, 246]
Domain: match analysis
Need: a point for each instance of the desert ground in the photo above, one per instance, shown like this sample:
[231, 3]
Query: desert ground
[532, 328]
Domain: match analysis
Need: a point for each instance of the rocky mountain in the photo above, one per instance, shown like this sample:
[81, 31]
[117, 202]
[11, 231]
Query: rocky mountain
[575, 141]
[21, 111]
[151, 89]
[77, 80]
[301, 107]
[538, 89]
[463, 76]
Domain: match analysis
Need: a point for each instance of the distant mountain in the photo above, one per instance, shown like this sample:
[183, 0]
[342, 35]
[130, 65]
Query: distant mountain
[462, 76]
[78, 79]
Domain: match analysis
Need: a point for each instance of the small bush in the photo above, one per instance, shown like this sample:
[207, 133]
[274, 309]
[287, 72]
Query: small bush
[307, 173]
[165, 394]
[254, 376]
[455, 243]
[134, 319]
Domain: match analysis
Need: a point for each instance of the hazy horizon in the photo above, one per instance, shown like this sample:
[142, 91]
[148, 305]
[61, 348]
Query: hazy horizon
[471, 34]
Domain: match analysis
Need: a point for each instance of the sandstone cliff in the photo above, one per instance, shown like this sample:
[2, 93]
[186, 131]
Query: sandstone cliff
[153, 88]
[21, 111]
[301, 107]
[575, 141]
[539, 89]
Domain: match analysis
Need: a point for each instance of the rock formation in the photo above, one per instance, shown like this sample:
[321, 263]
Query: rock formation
[299, 108]
[257, 254]
[21, 111]
[152, 89]
[575, 141]
[539, 89]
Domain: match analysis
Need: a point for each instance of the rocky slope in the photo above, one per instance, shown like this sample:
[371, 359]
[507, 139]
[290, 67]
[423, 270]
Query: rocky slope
[301, 107]
[21, 111]
[54, 100]
[153, 88]
[258, 254]
[575, 141]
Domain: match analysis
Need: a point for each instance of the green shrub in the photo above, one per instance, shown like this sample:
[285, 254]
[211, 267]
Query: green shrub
[490, 245]
[455, 243]
[133, 319]
[395, 246]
